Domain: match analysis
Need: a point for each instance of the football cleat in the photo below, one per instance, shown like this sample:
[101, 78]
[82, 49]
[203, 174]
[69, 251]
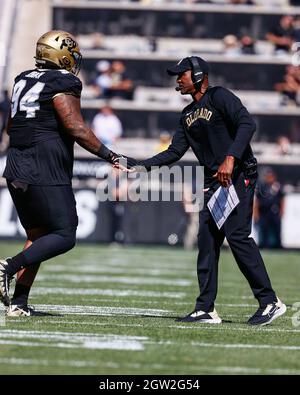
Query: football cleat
[266, 314]
[20, 311]
[202, 317]
[4, 283]
[15, 310]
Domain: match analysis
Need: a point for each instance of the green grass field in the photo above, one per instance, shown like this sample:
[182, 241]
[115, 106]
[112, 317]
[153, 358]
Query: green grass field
[114, 309]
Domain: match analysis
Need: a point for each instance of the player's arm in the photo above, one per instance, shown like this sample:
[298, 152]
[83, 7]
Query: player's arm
[8, 123]
[68, 110]
[4, 139]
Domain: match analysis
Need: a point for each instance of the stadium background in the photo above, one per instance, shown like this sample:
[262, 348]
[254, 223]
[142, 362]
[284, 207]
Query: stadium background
[147, 36]
[113, 306]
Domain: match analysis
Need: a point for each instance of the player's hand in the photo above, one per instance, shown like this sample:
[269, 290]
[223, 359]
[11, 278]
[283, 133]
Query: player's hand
[121, 167]
[118, 163]
[138, 169]
[121, 162]
[225, 171]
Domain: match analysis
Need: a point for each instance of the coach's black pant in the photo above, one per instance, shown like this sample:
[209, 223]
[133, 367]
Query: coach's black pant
[236, 229]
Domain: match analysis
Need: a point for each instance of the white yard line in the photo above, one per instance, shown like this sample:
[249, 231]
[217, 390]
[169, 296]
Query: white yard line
[79, 278]
[115, 365]
[284, 317]
[110, 341]
[140, 264]
[161, 270]
[212, 369]
[233, 346]
[98, 310]
[46, 362]
[232, 329]
[105, 292]
[98, 345]
[198, 327]
[72, 340]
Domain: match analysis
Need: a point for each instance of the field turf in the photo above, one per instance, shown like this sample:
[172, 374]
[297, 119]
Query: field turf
[113, 311]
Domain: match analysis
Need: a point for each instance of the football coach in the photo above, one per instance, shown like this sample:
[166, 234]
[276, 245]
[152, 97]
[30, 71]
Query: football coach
[219, 128]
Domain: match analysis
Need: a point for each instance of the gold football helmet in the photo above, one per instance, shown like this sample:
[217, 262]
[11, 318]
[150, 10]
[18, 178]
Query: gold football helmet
[58, 48]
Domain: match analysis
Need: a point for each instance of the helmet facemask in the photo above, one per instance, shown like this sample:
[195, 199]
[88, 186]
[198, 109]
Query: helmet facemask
[77, 59]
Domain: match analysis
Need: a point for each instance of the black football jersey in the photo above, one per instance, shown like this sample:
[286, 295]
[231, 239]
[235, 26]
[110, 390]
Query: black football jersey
[40, 152]
[215, 126]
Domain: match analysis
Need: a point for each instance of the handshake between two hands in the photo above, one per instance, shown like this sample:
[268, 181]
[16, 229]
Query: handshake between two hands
[126, 164]
[131, 165]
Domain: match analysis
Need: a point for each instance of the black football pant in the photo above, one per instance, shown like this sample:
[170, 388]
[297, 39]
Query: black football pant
[236, 229]
[48, 207]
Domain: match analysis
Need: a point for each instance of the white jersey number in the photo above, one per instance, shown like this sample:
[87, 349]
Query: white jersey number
[29, 102]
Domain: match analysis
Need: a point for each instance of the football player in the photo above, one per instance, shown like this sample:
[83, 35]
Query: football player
[45, 122]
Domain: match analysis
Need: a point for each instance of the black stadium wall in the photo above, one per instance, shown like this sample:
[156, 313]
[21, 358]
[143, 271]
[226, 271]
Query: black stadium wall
[129, 222]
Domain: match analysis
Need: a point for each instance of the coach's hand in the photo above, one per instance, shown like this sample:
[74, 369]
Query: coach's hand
[138, 169]
[225, 171]
[122, 162]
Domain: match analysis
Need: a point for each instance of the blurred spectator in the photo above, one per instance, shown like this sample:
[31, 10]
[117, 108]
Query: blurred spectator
[284, 145]
[113, 81]
[296, 26]
[93, 41]
[103, 82]
[282, 36]
[122, 85]
[290, 87]
[247, 45]
[4, 112]
[268, 210]
[107, 126]
[165, 139]
[152, 44]
[231, 46]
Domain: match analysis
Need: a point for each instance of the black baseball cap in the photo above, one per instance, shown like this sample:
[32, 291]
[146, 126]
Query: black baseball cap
[185, 64]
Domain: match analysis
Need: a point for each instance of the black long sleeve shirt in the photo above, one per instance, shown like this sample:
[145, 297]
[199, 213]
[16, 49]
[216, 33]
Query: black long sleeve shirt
[214, 127]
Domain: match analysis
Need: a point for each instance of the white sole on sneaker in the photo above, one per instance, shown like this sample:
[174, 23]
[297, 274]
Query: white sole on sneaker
[278, 313]
[16, 312]
[212, 321]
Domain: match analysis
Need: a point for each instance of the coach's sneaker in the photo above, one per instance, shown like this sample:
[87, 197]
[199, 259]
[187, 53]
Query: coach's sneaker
[202, 316]
[265, 315]
[4, 282]
[20, 311]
